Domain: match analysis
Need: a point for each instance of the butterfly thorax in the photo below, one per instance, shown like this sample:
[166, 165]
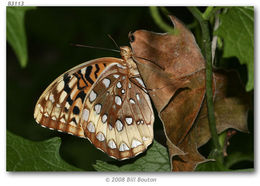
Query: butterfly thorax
[126, 54]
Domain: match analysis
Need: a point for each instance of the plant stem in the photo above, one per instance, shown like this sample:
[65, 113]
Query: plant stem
[165, 11]
[206, 49]
[208, 12]
[158, 20]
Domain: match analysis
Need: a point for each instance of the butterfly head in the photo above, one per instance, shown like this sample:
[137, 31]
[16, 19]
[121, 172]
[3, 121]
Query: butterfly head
[127, 55]
[126, 52]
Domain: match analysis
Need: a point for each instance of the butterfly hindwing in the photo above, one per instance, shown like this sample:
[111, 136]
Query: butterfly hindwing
[119, 119]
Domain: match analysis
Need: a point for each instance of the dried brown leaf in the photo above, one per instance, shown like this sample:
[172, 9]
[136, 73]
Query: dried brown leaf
[173, 71]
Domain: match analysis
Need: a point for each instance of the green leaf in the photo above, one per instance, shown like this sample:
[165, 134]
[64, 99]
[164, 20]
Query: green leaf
[237, 157]
[26, 155]
[155, 160]
[237, 30]
[16, 36]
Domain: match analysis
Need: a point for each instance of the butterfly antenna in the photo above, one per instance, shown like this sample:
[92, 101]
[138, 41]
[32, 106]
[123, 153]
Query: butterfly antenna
[113, 41]
[149, 61]
[87, 46]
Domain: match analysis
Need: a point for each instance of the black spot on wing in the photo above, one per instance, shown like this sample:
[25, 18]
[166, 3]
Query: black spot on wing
[81, 95]
[73, 119]
[79, 76]
[76, 110]
[69, 100]
[66, 79]
[67, 89]
[87, 74]
[97, 70]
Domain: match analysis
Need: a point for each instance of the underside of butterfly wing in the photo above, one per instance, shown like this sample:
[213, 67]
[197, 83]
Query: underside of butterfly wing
[98, 100]
[59, 105]
[118, 117]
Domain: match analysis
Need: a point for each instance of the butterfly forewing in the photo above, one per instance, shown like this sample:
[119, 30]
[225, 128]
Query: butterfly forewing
[99, 100]
[58, 106]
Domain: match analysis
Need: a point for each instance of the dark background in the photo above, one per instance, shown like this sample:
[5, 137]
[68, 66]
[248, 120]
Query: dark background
[49, 34]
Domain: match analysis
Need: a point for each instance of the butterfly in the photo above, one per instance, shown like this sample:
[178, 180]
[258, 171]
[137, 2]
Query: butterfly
[103, 100]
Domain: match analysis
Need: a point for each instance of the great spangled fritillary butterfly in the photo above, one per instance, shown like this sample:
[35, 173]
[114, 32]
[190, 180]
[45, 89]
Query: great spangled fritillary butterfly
[103, 100]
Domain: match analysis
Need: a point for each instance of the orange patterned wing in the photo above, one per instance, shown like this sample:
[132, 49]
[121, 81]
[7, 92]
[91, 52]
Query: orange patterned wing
[102, 101]
[59, 106]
